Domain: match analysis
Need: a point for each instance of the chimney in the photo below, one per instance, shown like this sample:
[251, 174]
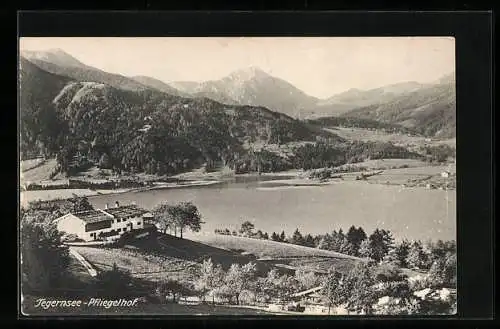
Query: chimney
[106, 206]
[117, 204]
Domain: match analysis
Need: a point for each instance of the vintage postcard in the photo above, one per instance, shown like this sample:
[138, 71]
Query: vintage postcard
[237, 176]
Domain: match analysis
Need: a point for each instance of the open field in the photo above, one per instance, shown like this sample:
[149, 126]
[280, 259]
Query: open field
[37, 173]
[386, 164]
[30, 164]
[284, 256]
[416, 175]
[367, 135]
[265, 248]
[28, 196]
[138, 263]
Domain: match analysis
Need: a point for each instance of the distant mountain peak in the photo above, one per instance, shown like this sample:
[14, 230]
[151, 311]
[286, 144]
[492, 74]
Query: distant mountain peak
[54, 55]
[58, 51]
[249, 73]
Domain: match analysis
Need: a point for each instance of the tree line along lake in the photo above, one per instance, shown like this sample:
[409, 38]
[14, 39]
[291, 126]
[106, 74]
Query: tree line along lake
[411, 213]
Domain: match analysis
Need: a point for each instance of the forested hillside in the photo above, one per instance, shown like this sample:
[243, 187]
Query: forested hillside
[430, 111]
[143, 130]
[39, 123]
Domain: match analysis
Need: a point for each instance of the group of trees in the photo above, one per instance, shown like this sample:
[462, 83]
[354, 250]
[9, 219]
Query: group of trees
[380, 247]
[261, 161]
[243, 283]
[357, 289]
[439, 153]
[55, 208]
[177, 217]
[44, 259]
[360, 289]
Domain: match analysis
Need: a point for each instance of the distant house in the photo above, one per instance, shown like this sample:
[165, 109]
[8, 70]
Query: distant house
[311, 295]
[99, 224]
[445, 174]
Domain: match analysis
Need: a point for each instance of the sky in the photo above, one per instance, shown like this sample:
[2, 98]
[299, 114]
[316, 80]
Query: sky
[321, 67]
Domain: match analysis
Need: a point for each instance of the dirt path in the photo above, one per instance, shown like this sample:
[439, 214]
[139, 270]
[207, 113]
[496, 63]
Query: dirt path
[84, 262]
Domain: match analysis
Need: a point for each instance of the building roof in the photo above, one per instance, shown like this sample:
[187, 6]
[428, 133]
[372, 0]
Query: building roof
[307, 292]
[92, 216]
[125, 211]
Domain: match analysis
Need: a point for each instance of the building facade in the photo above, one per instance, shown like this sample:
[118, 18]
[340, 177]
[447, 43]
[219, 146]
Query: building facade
[103, 224]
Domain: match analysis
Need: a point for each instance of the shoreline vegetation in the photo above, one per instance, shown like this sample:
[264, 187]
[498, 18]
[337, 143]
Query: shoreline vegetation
[392, 172]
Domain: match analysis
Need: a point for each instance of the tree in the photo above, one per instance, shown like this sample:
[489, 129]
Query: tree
[416, 256]
[265, 236]
[179, 216]
[275, 237]
[306, 278]
[104, 161]
[270, 284]
[401, 252]
[259, 235]
[359, 282]
[44, 259]
[187, 215]
[364, 249]
[81, 204]
[346, 247]
[162, 217]
[380, 244]
[450, 270]
[309, 241]
[355, 236]
[334, 289]
[297, 238]
[389, 273]
[282, 236]
[339, 242]
[443, 272]
[239, 279]
[325, 242]
[391, 258]
[247, 228]
[440, 250]
[209, 278]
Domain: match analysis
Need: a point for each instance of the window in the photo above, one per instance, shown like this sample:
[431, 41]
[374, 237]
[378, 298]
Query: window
[118, 220]
[138, 223]
[119, 230]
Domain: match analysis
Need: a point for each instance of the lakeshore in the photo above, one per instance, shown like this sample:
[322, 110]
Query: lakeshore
[413, 175]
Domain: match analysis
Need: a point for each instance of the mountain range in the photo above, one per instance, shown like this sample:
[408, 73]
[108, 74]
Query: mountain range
[145, 127]
[429, 108]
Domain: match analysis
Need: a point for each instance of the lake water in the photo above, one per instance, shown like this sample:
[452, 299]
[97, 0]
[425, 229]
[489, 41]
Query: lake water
[407, 213]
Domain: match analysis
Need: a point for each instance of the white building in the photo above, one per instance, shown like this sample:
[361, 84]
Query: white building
[99, 224]
[445, 174]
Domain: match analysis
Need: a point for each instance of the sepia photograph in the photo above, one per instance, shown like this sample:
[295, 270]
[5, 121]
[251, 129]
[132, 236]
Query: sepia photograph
[289, 176]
